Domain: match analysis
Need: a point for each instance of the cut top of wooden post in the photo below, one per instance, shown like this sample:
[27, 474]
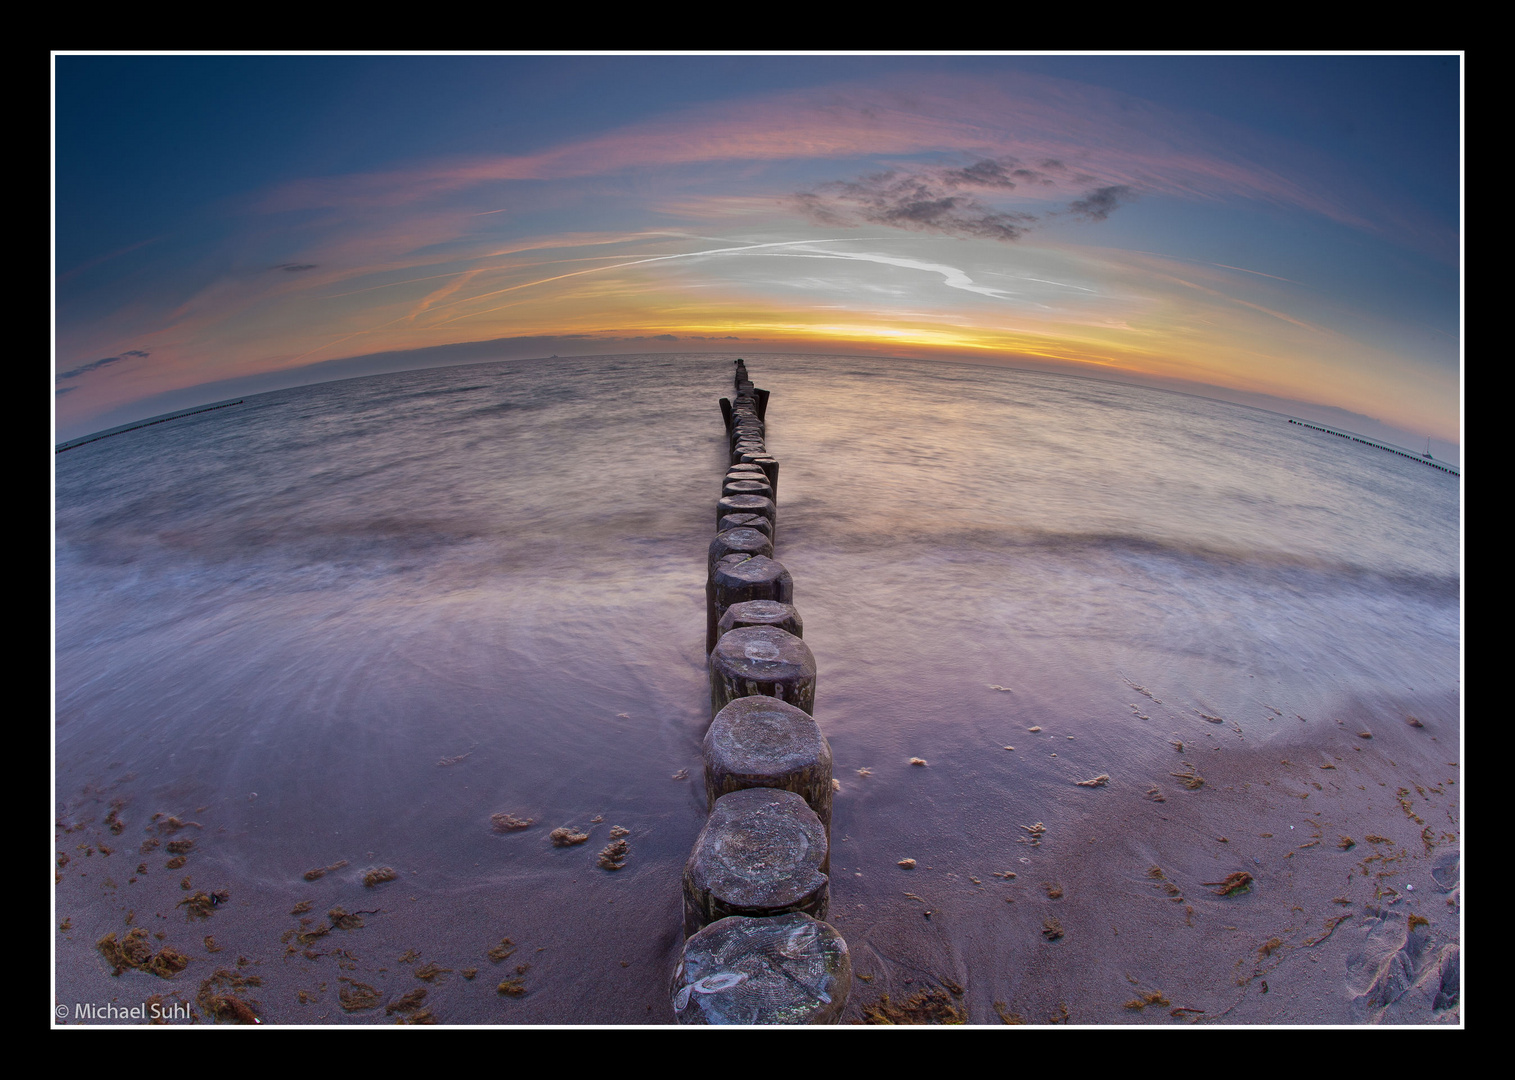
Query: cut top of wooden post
[788, 969]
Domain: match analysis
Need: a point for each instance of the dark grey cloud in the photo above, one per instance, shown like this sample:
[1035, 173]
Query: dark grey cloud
[919, 202]
[985, 173]
[948, 200]
[296, 266]
[130, 354]
[1101, 202]
[819, 211]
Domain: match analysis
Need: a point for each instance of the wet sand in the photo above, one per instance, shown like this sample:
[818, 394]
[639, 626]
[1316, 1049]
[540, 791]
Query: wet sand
[1100, 908]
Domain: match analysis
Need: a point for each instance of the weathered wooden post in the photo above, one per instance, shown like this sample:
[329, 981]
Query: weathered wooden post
[762, 851]
[761, 660]
[765, 742]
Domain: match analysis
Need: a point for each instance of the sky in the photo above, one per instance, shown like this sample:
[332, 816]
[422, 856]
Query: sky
[1276, 230]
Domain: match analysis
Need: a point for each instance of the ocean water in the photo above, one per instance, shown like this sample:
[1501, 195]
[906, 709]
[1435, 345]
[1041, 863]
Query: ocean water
[353, 621]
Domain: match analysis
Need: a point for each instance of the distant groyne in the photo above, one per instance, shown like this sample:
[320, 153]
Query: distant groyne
[145, 423]
[1424, 459]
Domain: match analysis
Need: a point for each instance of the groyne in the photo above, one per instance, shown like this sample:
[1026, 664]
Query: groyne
[1424, 459]
[756, 887]
[69, 445]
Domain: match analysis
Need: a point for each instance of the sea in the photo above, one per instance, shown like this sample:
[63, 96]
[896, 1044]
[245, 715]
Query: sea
[342, 627]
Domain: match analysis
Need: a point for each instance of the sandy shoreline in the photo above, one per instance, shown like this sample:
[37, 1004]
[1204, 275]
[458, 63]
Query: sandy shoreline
[1322, 935]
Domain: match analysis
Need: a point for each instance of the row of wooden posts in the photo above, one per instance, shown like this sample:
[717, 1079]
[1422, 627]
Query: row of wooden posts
[757, 948]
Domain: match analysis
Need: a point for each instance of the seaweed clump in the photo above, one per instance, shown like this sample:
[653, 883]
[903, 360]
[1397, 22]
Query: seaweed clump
[202, 904]
[929, 1006]
[344, 920]
[378, 876]
[356, 996]
[1006, 1016]
[567, 837]
[134, 951]
[503, 950]
[1190, 778]
[408, 1002]
[509, 822]
[613, 856]
[227, 1007]
[1233, 883]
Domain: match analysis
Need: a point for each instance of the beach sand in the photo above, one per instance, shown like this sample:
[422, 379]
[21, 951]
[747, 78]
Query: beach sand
[1348, 826]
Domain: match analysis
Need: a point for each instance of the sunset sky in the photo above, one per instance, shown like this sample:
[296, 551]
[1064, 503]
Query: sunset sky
[1273, 227]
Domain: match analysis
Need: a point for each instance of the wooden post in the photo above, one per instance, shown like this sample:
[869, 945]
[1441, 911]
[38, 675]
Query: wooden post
[762, 852]
[764, 742]
[735, 578]
[761, 660]
[788, 969]
[761, 613]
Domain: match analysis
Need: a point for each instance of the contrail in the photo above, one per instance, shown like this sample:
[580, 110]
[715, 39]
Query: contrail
[954, 278]
[575, 273]
[621, 265]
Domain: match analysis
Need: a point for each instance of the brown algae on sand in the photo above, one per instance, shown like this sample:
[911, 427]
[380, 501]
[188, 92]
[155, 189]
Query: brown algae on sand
[378, 876]
[566, 837]
[503, 950]
[509, 822]
[407, 1002]
[917, 761]
[133, 951]
[322, 871]
[1233, 883]
[929, 1006]
[1098, 781]
[225, 1007]
[341, 919]
[202, 905]
[613, 855]
[1190, 778]
[1052, 929]
[356, 996]
[1151, 997]
[1006, 1016]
